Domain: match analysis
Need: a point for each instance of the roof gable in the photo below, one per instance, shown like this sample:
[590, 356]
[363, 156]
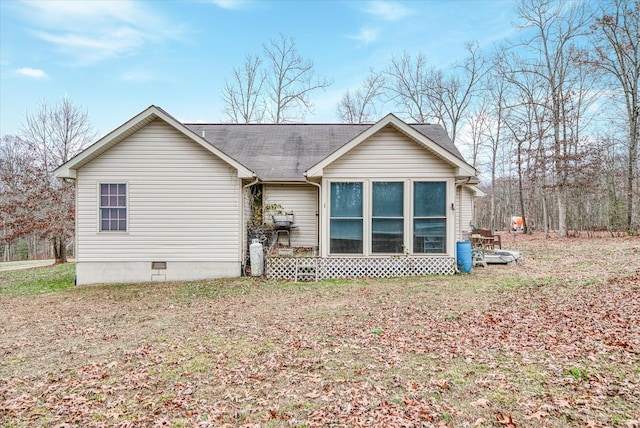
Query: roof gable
[68, 169]
[439, 148]
[286, 152]
[277, 152]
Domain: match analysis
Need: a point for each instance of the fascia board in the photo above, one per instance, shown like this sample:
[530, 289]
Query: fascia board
[68, 169]
[477, 192]
[462, 168]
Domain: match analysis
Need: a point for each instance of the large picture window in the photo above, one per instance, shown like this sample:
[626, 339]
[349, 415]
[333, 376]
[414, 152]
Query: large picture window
[387, 222]
[346, 218]
[113, 207]
[429, 217]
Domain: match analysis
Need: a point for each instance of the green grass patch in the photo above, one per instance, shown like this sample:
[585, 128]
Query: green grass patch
[578, 373]
[37, 281]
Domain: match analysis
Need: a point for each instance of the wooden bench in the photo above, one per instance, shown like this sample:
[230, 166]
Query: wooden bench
[486, 233]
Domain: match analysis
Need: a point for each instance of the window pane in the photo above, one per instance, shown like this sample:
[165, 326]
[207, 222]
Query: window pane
[387, 235]
[113, 207]
[430, 199]
[387, 199]
[346, 199]
[346, 236]
[429, 235]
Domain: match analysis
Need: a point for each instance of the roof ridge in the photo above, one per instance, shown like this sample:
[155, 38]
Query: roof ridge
[277, 124]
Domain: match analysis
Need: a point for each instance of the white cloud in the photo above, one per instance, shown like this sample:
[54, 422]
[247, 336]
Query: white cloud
[367, 35]
[89, 32]
[388, 10]
[138, 76]
[32, 72]
[230, 4]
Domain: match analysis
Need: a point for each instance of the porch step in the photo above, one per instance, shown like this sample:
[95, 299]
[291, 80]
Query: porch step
[307, 271]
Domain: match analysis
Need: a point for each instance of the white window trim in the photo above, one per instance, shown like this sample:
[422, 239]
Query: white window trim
[404, 211]
[364, 217]
[99, 206]
[448, 216]
[367, 209]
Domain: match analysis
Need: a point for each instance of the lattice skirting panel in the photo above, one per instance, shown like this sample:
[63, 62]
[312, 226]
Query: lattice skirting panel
[284, 268]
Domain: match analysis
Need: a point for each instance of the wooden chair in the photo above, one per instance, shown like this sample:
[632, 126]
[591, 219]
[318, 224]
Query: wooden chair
[489, 234]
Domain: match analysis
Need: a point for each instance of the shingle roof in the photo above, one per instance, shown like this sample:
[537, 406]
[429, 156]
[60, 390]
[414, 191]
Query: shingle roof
[285, 151]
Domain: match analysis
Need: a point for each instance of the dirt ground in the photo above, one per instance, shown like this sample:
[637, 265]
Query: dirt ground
[552, 342]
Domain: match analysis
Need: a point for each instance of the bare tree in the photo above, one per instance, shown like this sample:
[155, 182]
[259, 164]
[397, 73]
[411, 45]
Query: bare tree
[425, 93]
[53, 134]
[478, 124]
[450, 96]
[14, 158]
[56, 133]
[555, 28]
[359, 106]
[617, 50]
[242, 96]
[406, 86]
[290, 81]
[275, 87]
[495, 96]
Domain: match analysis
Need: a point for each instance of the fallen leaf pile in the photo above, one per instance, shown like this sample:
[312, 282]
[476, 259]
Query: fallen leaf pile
[439, 351]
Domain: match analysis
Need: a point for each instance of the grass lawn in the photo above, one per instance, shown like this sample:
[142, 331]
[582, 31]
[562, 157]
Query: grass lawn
[552, 342]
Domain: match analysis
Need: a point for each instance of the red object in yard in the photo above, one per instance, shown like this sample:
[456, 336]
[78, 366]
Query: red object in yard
[517, 224]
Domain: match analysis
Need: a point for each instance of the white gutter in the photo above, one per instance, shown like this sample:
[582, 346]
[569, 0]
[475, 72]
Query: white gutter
[319, 209]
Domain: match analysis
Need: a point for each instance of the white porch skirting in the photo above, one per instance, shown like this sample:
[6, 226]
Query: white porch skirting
[284, 268]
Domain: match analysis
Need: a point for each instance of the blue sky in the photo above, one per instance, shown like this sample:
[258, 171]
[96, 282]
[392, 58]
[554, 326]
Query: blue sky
[116, 58]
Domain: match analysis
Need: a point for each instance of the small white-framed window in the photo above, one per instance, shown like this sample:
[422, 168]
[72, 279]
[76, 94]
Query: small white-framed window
[113, 207]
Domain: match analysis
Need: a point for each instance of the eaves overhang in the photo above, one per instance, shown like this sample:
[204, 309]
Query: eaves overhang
[133, 125]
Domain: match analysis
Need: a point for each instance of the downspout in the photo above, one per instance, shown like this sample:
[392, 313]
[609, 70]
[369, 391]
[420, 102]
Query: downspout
[319, 209]
[244, 227]
[459, 184]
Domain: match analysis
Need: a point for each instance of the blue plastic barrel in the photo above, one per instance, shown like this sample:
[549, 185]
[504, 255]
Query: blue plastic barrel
[464, 260]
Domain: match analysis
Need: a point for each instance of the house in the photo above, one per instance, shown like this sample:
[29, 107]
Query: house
[157, 199]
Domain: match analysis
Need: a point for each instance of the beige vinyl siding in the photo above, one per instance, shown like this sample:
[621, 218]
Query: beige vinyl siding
[389, 154]
[464, 212]
[183, 202]
[303, 201]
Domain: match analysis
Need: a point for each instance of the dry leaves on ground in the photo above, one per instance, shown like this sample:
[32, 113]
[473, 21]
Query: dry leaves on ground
[503, 347]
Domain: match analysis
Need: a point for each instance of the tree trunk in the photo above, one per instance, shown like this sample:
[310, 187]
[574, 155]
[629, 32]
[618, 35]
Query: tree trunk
[520, 189]
[633, 161]
[545, 215]
[59, 250]
[562, 212]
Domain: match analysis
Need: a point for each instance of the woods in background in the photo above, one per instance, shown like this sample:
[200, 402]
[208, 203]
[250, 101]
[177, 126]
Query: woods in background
[551, 120]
